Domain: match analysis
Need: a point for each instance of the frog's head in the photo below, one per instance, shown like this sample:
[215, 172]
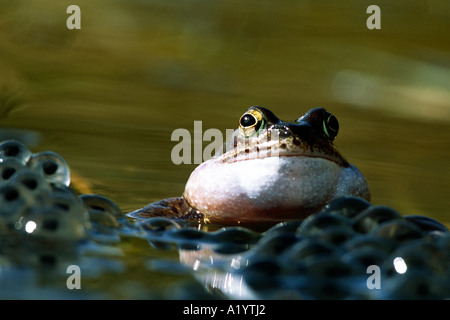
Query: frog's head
[261, 134]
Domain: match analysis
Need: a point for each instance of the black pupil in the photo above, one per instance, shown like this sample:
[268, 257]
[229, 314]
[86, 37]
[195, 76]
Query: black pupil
[248, 120]
[332, 125]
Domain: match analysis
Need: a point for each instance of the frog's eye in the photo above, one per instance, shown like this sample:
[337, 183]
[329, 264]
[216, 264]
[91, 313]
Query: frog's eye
[248, 120]
[330, 126]
[251, 122]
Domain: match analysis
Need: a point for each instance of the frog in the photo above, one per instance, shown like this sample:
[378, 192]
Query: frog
[269, 171]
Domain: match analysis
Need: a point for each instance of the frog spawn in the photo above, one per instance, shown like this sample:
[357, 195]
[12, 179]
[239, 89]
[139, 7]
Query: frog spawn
[45, 226]
[43, 222]
[334, 251]
[326, 256]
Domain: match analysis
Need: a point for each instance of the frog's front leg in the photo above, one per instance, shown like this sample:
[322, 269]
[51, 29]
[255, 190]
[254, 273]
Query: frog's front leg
[172, 208]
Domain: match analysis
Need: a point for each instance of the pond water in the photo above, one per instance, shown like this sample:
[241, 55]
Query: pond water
[107, 97]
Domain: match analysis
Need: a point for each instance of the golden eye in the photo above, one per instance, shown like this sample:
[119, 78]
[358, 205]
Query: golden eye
[251, 122]
[330, 126]
[248, 120]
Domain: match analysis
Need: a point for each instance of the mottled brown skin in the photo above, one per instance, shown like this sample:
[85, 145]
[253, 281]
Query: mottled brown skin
[304, 137]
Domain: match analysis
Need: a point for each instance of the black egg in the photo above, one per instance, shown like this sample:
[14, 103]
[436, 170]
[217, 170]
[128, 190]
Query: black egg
[15, 200]
[158, 224]
[11, 149]
[308, 248]
[421, 255]
[337, 235]
[33, 182]
[261, 274]
[371, 218]
[315, 224]
[330, 266]
[365, 257]
[102, 211]
[9, 169]
[368, 241]
[53, 224]
[275, 243]
[415, 284]
[286, 226]
[347, 206]
[426, 224]
[52, 166]
[236, 235]
[398, 231]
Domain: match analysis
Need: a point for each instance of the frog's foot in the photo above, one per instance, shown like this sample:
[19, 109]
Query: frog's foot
[172, 208]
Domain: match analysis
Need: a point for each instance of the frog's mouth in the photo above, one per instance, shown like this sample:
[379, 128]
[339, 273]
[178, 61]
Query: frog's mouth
[283, 149]
[280, 140]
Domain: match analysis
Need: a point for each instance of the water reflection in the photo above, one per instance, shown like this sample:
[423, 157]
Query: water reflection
[400, 265]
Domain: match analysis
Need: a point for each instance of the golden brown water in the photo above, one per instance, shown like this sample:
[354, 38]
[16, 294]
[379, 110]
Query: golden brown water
[107, 97]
